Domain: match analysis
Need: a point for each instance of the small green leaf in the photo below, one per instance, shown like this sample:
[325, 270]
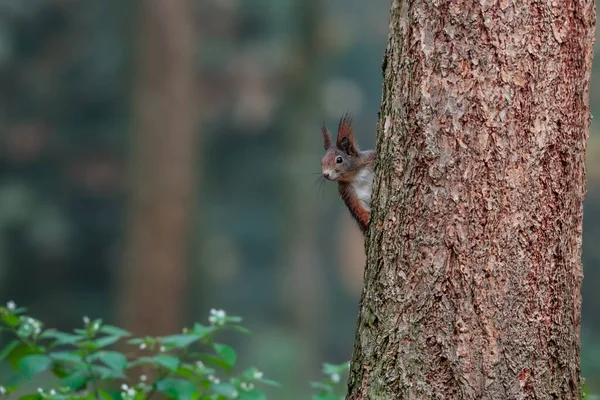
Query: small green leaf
[113, 359]
[107, 341]
[185, 370]
[66, 356]
[330, 369]
[107, 373]
[112, 395]
[203, 329]
[9, 349]
[61, 337]
[33, 364]
[75, 381]
[180, 341]
[227, 353]
[30, 397]
[88, 345]
[85, 396]
[252, 395]
[11, 320]
[167, 361]
[104, 395]
[178, 388]
[19, 352]
[224, 389]
[59, 370]
[114, 331]
[269, 382]
[213, 360]
[240, 329]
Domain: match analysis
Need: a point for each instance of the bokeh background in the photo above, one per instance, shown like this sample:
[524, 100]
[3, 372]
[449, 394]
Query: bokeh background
[258, 237]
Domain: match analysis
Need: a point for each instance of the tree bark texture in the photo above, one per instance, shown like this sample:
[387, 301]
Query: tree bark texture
[472, 284]
[163, 181]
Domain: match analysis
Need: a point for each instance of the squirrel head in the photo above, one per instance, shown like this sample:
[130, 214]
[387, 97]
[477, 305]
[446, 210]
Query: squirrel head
[341, 161]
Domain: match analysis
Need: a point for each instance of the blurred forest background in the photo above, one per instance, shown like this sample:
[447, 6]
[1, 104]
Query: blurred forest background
[158, 161]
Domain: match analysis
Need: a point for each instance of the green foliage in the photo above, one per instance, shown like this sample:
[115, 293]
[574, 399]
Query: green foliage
[182, 366]
[333, 387]
[185, 366]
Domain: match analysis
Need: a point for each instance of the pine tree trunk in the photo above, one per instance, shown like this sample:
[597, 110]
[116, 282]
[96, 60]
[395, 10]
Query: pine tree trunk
[472, 284]
[303, 297]
[153, 275]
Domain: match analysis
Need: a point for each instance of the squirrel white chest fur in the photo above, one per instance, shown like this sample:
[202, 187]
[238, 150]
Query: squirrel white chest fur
[352, 168]
[362, 186]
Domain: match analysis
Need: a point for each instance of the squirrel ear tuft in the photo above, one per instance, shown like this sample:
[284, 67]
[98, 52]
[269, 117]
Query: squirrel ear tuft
[326, 136]
[345, 137]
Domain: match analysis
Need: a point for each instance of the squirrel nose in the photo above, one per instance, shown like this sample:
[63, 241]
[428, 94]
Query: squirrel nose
[326, 175]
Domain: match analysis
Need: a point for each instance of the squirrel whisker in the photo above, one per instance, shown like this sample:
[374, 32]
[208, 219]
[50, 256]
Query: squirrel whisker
[351, 168]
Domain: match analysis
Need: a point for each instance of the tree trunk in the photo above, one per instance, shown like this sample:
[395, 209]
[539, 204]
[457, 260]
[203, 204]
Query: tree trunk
[472, 285]
[302, 289]
[153, 277]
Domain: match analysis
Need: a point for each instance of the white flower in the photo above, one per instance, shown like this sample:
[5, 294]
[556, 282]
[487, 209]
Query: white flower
[40, 390]
[2, 390]
[143, 378]
[213, 379]
[163, 349]
[247, 386]
[216, 381]
[96, 326]
[11, 306]
[143, 346]
[257, 374]
[52, 392]
[235, 394]
[217, 316]
[124, 387]
[131, 392]
[335, 378]
[86, 320]
[200, 364]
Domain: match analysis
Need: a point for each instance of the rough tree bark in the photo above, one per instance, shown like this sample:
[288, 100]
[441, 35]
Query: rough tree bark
[472, 284]
[152, 280]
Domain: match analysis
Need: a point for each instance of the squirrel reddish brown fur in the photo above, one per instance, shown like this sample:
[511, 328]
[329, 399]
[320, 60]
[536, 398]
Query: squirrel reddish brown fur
[351, 168]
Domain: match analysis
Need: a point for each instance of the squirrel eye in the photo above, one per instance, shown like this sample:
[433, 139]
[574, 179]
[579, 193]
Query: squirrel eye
[339, 160]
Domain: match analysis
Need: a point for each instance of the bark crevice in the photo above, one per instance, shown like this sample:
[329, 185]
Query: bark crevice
[473, 277]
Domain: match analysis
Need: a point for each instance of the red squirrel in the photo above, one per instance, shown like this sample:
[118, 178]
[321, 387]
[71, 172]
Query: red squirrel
[351, 168]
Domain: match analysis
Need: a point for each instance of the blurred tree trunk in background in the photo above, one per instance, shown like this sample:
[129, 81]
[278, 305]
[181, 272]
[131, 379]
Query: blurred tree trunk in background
[303, 281]
[152, 286]
[472, 287]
